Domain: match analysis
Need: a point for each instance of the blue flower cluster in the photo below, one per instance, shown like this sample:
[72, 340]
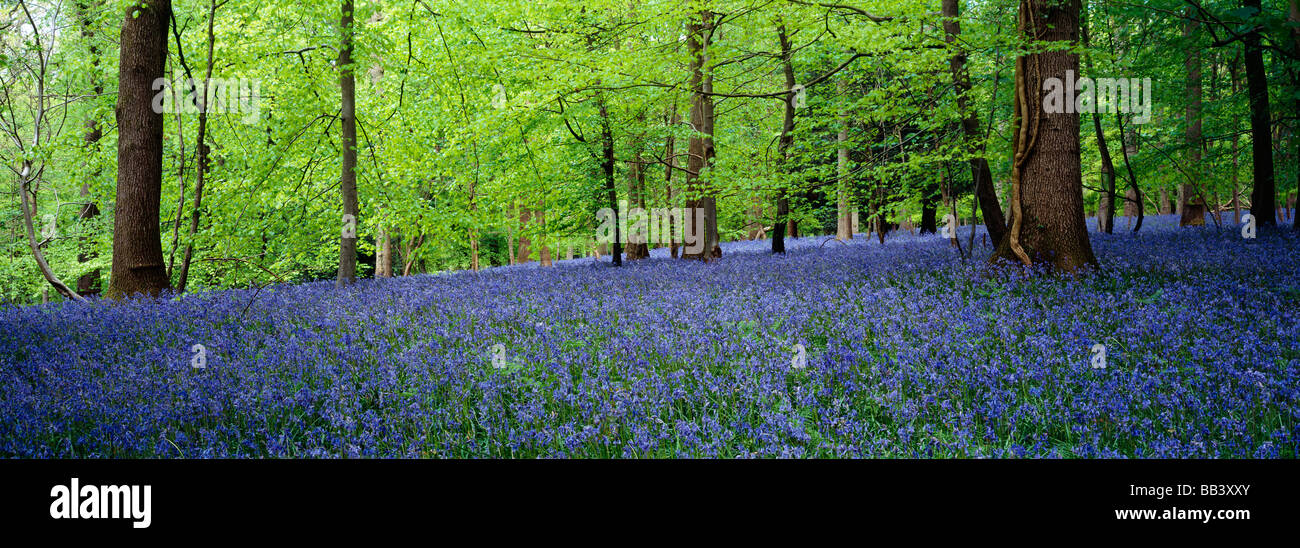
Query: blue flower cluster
[910, 352]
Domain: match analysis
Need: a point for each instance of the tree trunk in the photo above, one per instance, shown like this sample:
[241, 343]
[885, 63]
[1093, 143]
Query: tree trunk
[928, 208]
[1261, 137]
[700, 151]
[994, 222]
[638, 247]
[844, 220]
[348, 121]
[1130, 147]
[1192, 65]
[670, 159]
[524, 251]
[1047, 186]
[783, 144]
[544, 251]
[384, 255]
[607, 170]
[1293, 17]
[88, 282]
[202, 163]
[137, 239]
[1106, 207]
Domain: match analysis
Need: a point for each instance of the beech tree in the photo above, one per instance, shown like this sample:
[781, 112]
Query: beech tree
[348, 123]
[138, 266]
[1047, 223]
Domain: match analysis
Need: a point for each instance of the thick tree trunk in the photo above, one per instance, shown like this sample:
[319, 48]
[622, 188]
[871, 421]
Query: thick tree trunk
[990, 210]
[700, 195]
[348, 121]
[1261, 136]
[137, 239]
[1293, 16]
[1047, 186]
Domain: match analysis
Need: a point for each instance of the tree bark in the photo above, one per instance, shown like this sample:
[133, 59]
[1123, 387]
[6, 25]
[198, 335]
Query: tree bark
[348, 122]
[1293, 17]
[783, 144]
[1192, 64]
[700, 151]
[202, 163]
[994, 222]
[1261, 136]
[86, 284]
[1047, 186]
[844, 221]
[670, 161]
[607, 170]
[637, 248]
[138, 266]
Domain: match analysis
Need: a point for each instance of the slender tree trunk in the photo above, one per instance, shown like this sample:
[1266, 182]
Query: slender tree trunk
[1192, 64]
[384, 254]
[994, 222]
[637, 248]
[544, 251]
[670, 159]
[1106, 204]
[137, 239]
[607, 170]
[202, 162]
[28, 207]
[88, 282]
[524, 251]
[1129, 146]
[844, 220]
[783, 144]
[1047, 186]
[348, 121]
[1106, 208]
[1261, 136]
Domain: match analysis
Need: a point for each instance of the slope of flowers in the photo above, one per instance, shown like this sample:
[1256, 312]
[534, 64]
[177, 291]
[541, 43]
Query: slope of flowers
[910, 352]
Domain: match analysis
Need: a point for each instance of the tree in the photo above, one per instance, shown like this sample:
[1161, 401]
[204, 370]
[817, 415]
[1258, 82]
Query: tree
[138, 266]
[699, 32]
[348, 122]
[784, 142]
[1046, 182]
[1261, 135]
[1192, 63]
[979, 166]
[202, 162]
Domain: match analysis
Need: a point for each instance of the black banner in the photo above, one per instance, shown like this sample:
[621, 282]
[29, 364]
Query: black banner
[306, 499]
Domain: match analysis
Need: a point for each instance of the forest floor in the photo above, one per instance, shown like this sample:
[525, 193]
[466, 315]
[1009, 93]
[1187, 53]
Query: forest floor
[859, 350]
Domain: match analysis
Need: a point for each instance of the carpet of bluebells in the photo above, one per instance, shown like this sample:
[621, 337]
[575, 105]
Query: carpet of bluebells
[911, 352]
